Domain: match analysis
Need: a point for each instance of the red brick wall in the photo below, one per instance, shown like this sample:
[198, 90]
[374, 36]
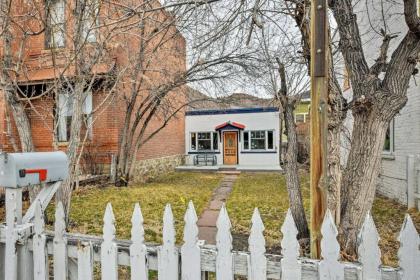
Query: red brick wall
[108, 119]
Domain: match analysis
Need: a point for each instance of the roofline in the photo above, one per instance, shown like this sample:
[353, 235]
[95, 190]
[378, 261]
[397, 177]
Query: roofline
[232, 111]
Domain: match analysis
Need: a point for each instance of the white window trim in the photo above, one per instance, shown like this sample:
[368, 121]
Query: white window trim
[392, 140]
[305, 116]
[64, 111]
[266, 140]
[57, 19]
[211, 141]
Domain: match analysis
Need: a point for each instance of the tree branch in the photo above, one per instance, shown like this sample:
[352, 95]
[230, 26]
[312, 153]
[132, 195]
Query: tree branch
[411, 17]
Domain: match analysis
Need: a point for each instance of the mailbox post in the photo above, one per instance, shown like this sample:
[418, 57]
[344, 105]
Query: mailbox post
[19, 170]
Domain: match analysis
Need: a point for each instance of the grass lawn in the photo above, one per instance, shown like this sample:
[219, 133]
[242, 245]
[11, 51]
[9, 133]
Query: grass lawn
[88, 204]
[268, 192]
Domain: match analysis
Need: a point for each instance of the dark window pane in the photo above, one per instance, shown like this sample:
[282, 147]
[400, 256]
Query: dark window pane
[215, 141]
[257, 144]
[204, 144]
[68, 128]
[193, 141]
[246, 140]
[270, 140]
[387, 144]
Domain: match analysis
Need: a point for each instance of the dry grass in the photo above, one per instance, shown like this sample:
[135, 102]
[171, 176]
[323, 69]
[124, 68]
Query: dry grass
[268, 192]
[88, 205]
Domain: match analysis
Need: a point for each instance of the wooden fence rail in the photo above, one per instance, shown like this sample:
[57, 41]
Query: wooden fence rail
[74, 255]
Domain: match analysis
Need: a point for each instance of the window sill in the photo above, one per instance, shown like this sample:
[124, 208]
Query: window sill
[62, 144]
[204, 152]
[259, 152]
[388, 156]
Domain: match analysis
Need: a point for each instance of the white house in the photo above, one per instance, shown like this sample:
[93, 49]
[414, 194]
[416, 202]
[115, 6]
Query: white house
[400, 169]
[240, 138]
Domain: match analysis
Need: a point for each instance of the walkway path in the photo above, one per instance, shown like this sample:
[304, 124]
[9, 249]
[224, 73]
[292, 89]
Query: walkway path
[207, 221]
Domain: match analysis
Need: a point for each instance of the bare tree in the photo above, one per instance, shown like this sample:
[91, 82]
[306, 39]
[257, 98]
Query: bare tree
[288, 103]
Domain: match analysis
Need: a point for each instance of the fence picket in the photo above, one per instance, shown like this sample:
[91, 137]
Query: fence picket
[290, 265]
[190, 251]
[330, 268]
[409, 254]
[60, 244]
[224, 257]
[109, 251]
[138, 250]
[85, 261]
[39, 245]
[368, 250]
[13, 211]
[258, 262]
[168, 253]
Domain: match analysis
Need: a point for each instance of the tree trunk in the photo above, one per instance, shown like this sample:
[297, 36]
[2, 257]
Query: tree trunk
[292, 174]
[360, 175]
[64, 193]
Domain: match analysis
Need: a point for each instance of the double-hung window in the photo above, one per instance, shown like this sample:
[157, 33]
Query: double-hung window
[56, 24]
[90, 20]
[65, 116]
[258, 140]
[204, 141]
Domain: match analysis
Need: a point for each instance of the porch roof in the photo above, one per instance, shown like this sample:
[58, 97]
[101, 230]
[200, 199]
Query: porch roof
[230, 124]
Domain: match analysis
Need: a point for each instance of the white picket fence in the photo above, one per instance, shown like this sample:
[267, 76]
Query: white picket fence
[74, 255]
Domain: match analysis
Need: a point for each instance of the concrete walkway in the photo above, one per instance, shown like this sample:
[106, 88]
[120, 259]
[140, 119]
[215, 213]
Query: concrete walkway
[207, 221]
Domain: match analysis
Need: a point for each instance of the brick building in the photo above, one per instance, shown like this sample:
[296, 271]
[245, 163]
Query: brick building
[46, 58]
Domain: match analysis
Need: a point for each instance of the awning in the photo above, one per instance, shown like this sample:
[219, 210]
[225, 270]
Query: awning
[230, 125]
[35, 76]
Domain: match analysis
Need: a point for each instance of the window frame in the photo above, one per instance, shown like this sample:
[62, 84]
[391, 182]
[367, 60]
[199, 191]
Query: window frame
[391, 150]
[65, 117]
[305, 117]
[49, 43]
[88, 25]
[212, 133]
[249, 149]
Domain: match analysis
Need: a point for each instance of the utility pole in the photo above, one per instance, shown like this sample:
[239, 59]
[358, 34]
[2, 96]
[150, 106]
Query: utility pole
[318, 113]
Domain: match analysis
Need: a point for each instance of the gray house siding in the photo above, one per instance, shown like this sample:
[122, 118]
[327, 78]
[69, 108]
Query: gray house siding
[393, 174]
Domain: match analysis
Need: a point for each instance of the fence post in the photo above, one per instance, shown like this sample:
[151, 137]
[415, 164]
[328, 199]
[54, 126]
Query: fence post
[257, 266]
[290, 249]
[60, 244]
[190, 251]
[224, 257]
[167, 253]
[138, 250]
[39, 245]
[109, 250]
[13, 217]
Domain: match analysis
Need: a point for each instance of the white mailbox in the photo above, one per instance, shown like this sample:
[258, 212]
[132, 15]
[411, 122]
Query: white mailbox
[19, 170]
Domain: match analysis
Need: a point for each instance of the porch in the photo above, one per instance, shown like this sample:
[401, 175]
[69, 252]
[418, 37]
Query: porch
[224, 167]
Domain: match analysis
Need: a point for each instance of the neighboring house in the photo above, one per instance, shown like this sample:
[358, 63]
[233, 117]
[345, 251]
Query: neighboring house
[399, 176]
[240, 138]
[165, 149]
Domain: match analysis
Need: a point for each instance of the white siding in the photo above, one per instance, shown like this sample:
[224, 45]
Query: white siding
[393, 175]
[252, 121]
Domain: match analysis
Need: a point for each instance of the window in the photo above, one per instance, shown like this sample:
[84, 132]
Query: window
[65, 115]
[193, 141]
[215, 141]
[301, 117]
[90, 20]
[55, 30]
[258, 140]
[246, 140]
[389, 139]
[204, 141]
[270, 140]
